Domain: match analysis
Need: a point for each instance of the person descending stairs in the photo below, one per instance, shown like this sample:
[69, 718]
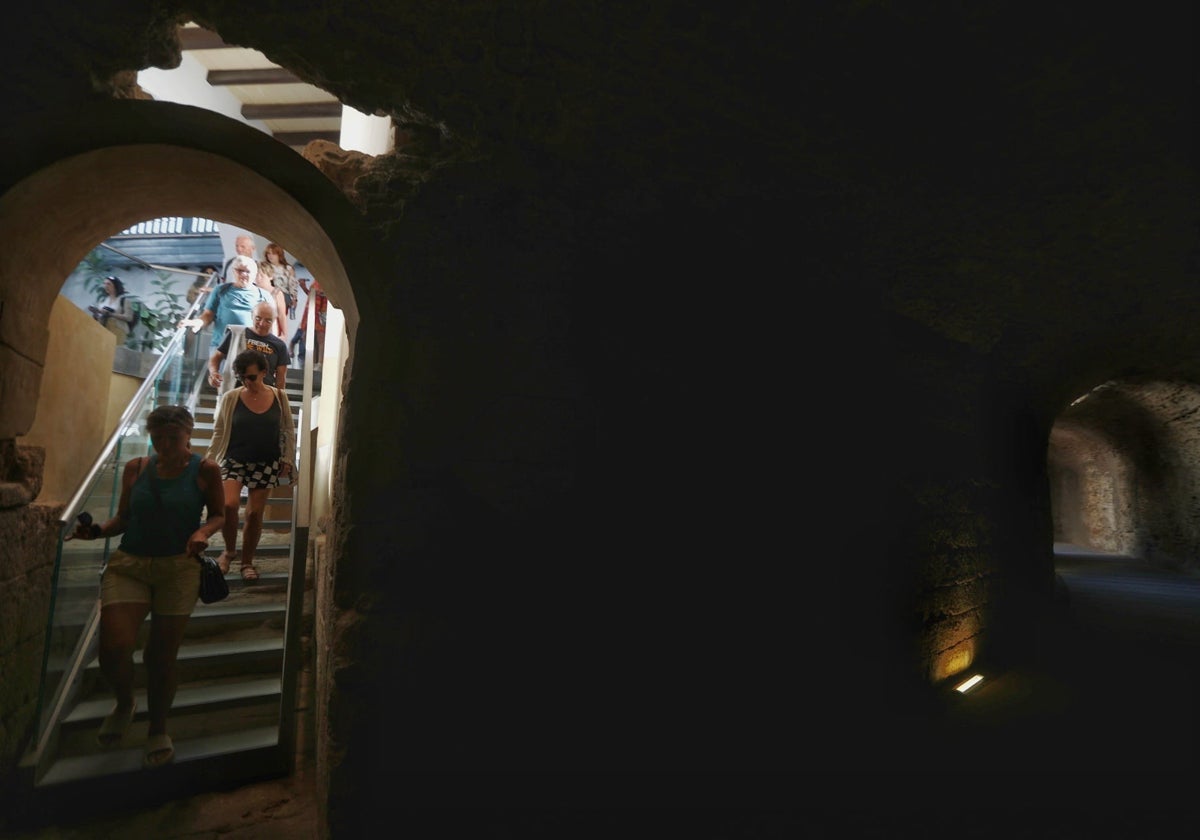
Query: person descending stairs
[228, 720]
[254, 442]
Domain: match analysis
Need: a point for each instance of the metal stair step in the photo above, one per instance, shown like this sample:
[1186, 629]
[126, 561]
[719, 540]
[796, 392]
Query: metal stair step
[129, 761]
[270, 501]
[90, 580]
[203, 614]
[234, 579]
[193, 722]
[93, 711]
[263, 550]
[224, 611]
[240, 649]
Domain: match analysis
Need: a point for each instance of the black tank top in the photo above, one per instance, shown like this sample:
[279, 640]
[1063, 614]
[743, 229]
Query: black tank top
[254, 438]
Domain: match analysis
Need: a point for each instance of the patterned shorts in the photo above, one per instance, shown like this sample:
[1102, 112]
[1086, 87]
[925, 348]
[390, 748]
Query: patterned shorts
[253, 475]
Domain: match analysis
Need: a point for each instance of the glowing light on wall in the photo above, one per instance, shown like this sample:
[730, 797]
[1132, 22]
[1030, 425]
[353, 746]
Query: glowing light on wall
[952, 662]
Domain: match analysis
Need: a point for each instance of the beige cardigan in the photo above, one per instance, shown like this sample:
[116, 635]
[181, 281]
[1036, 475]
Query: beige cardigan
[224, 421]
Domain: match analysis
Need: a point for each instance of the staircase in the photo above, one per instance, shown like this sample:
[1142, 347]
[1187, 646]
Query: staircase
[229, 721]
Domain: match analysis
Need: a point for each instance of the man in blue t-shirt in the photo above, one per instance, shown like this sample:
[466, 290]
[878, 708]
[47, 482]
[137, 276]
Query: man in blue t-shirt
[232, 302]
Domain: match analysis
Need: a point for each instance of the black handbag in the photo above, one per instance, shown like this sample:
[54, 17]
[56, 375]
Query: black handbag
[213, 586]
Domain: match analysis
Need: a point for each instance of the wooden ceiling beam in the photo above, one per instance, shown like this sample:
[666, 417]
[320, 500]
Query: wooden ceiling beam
[264, 76]
[303, 138]
[292, 110]
[194, 38]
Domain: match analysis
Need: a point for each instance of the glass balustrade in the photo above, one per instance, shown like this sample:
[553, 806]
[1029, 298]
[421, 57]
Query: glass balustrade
[175, 379]
[74, 608]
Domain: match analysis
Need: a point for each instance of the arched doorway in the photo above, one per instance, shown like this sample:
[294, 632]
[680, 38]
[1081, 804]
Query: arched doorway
[138, 160]
[1124, 469]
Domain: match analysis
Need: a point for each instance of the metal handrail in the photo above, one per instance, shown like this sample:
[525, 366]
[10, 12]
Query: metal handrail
[171, 269]
[301, 501]
[303, 480]
[82, 649]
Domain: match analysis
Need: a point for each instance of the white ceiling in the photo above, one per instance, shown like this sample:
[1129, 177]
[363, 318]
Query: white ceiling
[198, 81]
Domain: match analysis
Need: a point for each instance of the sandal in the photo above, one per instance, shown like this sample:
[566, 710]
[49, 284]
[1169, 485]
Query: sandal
[249, 573]
[224, 561]
[159, 750]
[112, 730]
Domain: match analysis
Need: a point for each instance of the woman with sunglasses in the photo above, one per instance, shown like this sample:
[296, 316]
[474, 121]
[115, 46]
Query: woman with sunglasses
[254, 441]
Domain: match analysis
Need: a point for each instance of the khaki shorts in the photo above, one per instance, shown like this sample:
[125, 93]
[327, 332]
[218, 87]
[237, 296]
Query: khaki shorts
[170, 585]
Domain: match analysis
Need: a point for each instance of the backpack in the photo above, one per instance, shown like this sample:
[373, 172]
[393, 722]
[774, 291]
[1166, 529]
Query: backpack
[144, 326]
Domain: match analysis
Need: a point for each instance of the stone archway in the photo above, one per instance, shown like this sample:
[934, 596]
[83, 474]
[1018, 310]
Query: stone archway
[51, 219]
[80, 176]
[1122, 467]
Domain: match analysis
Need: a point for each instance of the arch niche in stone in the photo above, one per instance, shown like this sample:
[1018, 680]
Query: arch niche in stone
[53, 218]
[73, 177]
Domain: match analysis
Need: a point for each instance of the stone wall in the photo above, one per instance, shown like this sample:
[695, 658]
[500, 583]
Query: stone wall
[1132, 448]
[72, 438]
[28, 538]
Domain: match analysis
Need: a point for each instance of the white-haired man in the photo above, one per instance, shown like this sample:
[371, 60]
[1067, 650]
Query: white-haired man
[232, 302]
[243, 246]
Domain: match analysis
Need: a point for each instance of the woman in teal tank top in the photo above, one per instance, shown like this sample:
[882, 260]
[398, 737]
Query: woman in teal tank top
[154, 571]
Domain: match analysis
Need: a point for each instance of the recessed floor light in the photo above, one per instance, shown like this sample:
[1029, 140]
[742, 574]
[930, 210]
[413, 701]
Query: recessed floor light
[966, 685]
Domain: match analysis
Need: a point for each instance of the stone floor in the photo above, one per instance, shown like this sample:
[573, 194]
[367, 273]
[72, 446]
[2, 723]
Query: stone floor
[277, 808]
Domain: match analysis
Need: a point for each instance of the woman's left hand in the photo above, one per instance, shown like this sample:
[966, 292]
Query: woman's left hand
[196, 544]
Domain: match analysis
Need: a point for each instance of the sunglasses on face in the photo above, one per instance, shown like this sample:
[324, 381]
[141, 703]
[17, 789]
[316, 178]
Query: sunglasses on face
[250, 377]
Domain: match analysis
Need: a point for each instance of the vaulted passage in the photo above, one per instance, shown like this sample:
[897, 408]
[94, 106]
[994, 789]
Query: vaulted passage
[1124, 464]
[708, 404]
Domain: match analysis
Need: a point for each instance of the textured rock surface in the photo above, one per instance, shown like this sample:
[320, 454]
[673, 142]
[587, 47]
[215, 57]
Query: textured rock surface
[20, 474]
[1125, 465]
[27, 541]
